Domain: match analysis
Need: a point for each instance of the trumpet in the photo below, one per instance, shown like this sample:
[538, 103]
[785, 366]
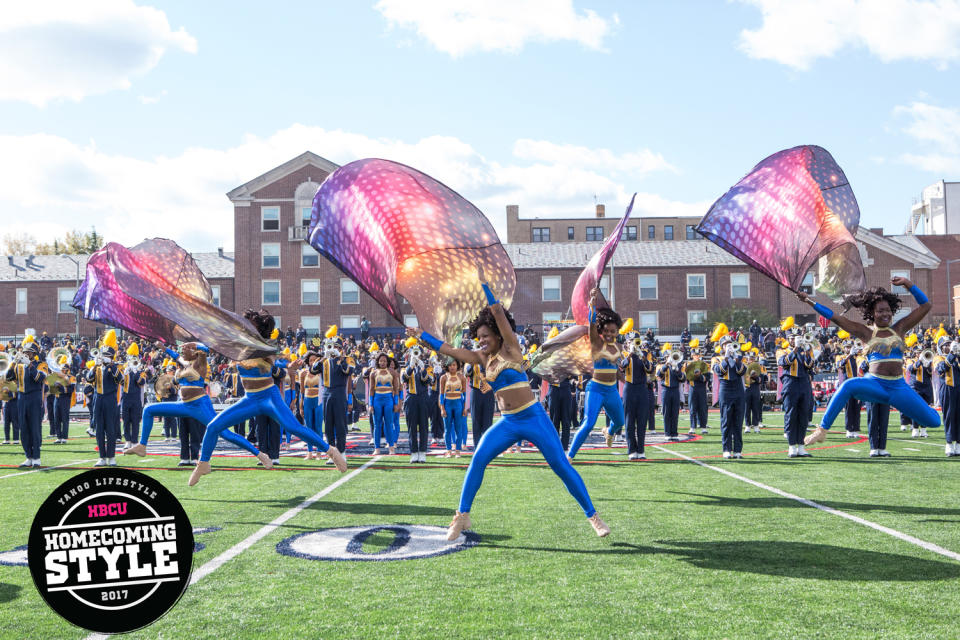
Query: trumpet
[95, 355]
[416, 352]
[955, 347]
[133, 364]
[731, 350]
[926, 357]
[675, 359]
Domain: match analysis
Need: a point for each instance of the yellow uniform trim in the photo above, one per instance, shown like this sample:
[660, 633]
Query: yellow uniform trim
[520, 408]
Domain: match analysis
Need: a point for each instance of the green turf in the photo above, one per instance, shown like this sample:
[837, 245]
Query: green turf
[693, 553]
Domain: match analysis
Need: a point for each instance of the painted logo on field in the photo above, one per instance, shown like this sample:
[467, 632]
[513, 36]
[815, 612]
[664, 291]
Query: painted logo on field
[408, 542]
[111, 541]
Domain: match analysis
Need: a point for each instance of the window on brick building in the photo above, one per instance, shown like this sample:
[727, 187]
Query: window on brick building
[305, 213]
[739, 285]
[550, 288]
[594, 234]
[349, 322]
[651, 232]
[697, 321]
[807, 284]
[903, 273]
[648, 286]
[311, 325]
[270, 218]
[692, 233]
[541, 234]
[410, 320]
[552, 317]
[270, 255]
[349, 292]
[649, 320]
[308, 256]
[696, 285]
[604, 286]
[309, 292]
[668, 232]
[21, 300]
[270, 293]
[215, 292]
[629, 233]
[65, 300]
[571, 233]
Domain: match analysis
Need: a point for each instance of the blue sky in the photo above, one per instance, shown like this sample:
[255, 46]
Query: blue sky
[138, 117]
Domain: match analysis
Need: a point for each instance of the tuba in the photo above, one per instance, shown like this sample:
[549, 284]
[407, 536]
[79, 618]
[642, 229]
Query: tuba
[53, 359]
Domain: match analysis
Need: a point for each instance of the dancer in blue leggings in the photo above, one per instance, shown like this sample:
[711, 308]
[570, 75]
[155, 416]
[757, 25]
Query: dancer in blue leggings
[384, 388]
[522, 416]
[453, 409]
[884, 383]
[262, 398]
[194, 401]
[602, 390]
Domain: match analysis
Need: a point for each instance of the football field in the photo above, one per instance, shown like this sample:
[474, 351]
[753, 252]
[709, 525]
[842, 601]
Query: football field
[839, 545]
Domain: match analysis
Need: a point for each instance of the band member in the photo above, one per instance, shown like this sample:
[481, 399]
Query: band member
[335, 369]
[730, 370]
[602, 392]
[61, 410]
[796, 365]
[385, 386]
[131, 395]
[29, 378]
[878, 420]
[753, 384]
[417, 379]
[884, 383]
[637, 365]
[847, 368]
[483, 404]
[697, 399]
[671, 379]
[11, 421]
[453, 409]
[522, 416]
[561, 406]
[105, 376]
[921, 377]
[949, 370]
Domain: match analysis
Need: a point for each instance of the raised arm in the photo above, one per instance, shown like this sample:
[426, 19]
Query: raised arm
[595, 340]
[854, 328]
[510, 345]
[914, 317]
[463, 355]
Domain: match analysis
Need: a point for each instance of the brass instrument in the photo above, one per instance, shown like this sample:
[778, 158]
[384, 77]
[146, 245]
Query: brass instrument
[731, 350]
[5, 363]
[754, 369]
[416, 352]
[926, 357]
[675, 359]
[8, 389]
[53, 359]
[96, 357]
[697, 366]
[955, 347]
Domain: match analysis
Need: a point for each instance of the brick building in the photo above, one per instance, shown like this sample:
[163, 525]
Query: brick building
[663, 283]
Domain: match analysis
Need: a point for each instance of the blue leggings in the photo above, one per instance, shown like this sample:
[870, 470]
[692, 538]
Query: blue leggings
[455, 424]
[531, 424]
[313, 416]
[382, 420]
[598, 396]
[200, 410]
[896, 393]
[267, 402]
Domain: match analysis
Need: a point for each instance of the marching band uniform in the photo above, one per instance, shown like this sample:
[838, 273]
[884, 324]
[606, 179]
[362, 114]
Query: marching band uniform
[105, 378]
[921, 382]
[335, 372]
[131, 404]
[418, 406]
[878, 420]
[753, 399]
[11, 421]
[61, 409]
[562, 409]
[50, 396]
[697, 401]
[651, 421]
[483, 404]
[949, 370]
[796, 364]
[847, 368]
[731, 405]
[671, 380]
[29, 379]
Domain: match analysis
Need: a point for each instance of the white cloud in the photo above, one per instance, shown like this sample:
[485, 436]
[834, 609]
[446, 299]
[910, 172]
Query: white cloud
[458, 27]
[797, 32]
[937, 130]
[67, 50]
[67, 186]
[152, 99]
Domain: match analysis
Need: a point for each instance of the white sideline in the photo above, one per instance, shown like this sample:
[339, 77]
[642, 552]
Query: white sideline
[249, 541]
[59, 466]
[929, 546]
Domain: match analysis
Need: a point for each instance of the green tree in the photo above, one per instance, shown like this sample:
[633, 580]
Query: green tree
[73, 242]
[734, 317]
[19, 244]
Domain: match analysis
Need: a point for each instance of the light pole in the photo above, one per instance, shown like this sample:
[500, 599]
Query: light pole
[76, 312]
[950, 292]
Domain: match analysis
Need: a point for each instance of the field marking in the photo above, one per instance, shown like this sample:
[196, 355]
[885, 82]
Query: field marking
[853, 450]
[929, 546]
[59, 466]
[909, 449]
[912, 441]
[249, 541]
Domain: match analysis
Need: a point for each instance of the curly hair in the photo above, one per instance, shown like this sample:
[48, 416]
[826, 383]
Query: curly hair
[262, 321]
[605, 316]
[486, 319]
[376, 360]
[867, 302]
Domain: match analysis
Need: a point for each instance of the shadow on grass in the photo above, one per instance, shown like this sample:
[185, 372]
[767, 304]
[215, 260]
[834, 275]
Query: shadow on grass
[779, 503]
[9, 592]
[381, 509]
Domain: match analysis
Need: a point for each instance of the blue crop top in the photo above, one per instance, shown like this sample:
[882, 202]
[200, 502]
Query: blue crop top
[886, 349]
[252, 372]
[605, 359]
[192, 383]
[503, 374]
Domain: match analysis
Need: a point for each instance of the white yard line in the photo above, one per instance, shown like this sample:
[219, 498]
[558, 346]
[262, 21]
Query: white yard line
[59, 466]
[909, 449]
[929, 546]
[249, 541]
[912, 441]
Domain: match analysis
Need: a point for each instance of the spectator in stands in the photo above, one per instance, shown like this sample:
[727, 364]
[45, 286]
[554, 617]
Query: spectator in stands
[301, 335]
[755, 332]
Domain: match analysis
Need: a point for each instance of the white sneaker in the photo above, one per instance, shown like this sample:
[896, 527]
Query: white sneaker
[91, 433]
[704, 431]
[956, 448]
[949, 449]
[414, 457]
[727, 455]
[737, 455]
[100, 463]
[874, 453]
[641, 456]
[792, 451]
[112, 462]
[923, 432]
[26, 463]
[692, 432]
[915, 433]
[36, 462]
[902, 428]
[884, 453]
[802, 452]
[632, 456]
[849, 434]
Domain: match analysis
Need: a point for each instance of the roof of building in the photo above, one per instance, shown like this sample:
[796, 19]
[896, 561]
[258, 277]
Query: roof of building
[63, 267]
[664, 253]
[246, 190]
[914, 243]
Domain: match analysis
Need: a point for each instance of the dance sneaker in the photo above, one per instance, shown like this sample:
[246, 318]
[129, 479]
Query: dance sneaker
[802, 452]
[26, 463]
[599, 525]
[136, 450]
[874, 453]
[915, 433]
[923, 432]
[609, 439]
[265, 460]
[183, 463]
[376, 452]
[100, 463]
[727, 455]
[338, 459]
[202, 469]
[819, 435]
[461, 522]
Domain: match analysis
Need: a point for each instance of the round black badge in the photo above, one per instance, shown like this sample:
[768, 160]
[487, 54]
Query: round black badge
[111, 541]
